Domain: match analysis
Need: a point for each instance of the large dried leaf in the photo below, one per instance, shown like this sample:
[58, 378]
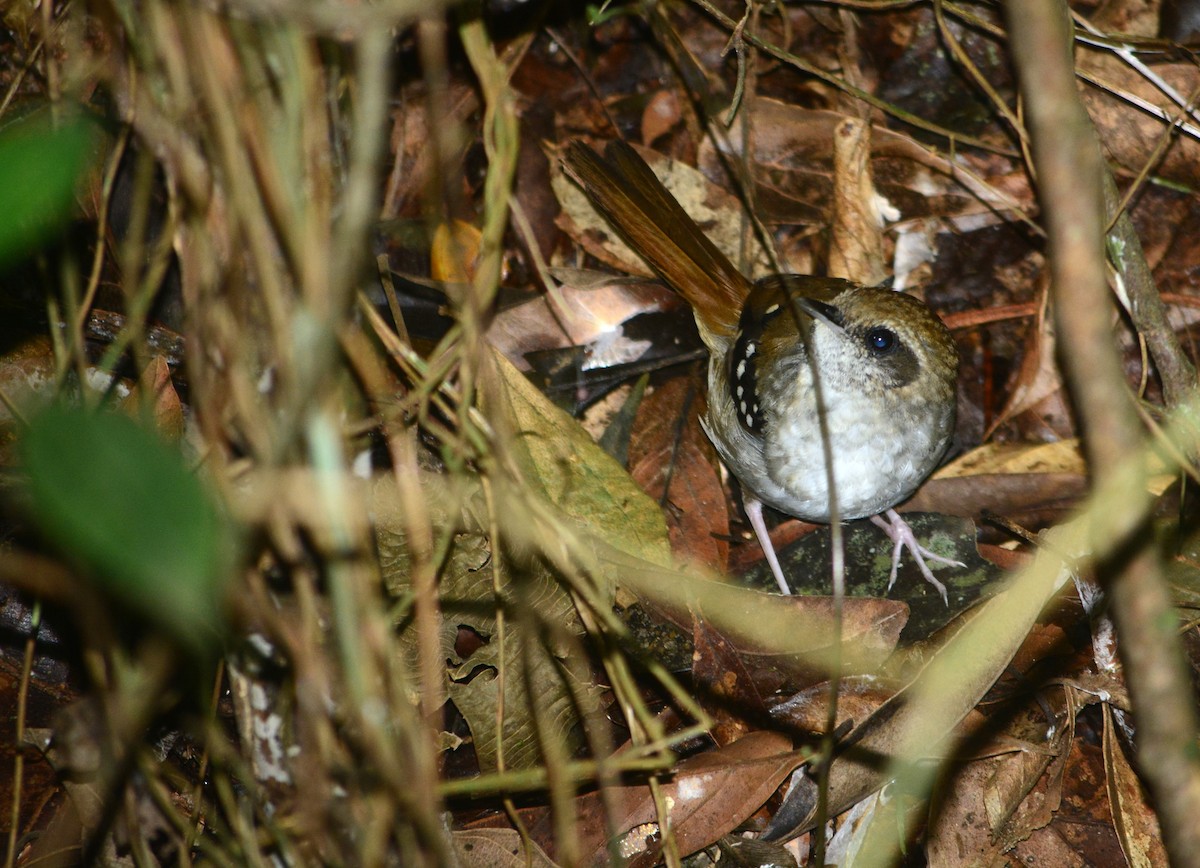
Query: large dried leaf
[1135, 821]
[973, 810]
[672, 460]
[524, 670]
[498, 848]
[155, 391]
[1038, 378]
[856, 239]
[724, 685]
[793, 146]
[563, 465]
[588, 309]
[707, 796]
[858, 698]
[1131, 134]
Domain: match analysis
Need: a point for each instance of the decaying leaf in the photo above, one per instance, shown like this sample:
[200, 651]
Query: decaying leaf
[523, 669]
[707, 796]
[856, 239]
[1117, 100]
[562, 465]
[672, 460]
[793, 146]
[592, 311]
[1136, 824]
[972, 818]
[498, 848]
[455, 252]
[155, 388]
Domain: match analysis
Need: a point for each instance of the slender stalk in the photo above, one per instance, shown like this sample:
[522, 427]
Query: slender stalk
[1070, 172]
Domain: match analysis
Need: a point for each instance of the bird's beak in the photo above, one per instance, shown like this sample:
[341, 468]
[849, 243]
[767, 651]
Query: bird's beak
[822, 311]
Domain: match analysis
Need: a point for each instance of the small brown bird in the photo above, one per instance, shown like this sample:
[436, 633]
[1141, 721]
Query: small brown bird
[885, 368]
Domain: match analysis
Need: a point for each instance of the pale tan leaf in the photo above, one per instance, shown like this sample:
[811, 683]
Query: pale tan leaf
[1135, 821]
[498, 848]
[563, 465]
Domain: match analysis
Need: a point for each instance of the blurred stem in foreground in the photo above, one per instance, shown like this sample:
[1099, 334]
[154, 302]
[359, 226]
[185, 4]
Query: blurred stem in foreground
[1068, 163]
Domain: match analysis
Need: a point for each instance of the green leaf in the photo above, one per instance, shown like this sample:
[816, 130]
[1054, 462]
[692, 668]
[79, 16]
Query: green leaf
[119, 500]
[40, 163]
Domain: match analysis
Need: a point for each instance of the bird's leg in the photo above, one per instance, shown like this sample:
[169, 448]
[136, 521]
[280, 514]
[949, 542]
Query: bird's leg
[902, 536]
[754, 513]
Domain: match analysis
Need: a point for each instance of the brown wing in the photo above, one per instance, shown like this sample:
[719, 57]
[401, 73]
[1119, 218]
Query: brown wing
[629, 195]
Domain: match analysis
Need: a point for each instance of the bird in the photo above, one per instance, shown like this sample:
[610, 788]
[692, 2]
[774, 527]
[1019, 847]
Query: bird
[787, 350]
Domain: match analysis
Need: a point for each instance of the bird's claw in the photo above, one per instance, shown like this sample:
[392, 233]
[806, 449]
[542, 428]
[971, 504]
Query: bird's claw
[901, 534]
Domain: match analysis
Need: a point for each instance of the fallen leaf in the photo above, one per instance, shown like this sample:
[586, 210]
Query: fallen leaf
[707, 796]
[724, 685]
[856, 237]
[455, 252]
[158, 391]
[673, 462]
[793, 146]
[1116, 99]
[498, 848]
[563, 465]
[1134, 820]
[662, 113]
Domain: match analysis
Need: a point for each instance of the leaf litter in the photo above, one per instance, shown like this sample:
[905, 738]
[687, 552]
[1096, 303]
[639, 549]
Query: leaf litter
[543, 565]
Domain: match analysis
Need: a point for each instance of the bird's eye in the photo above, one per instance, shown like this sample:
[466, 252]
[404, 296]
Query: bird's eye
[881, 341]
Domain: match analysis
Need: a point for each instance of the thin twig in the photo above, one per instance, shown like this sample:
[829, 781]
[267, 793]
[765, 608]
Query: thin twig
[1070, 178]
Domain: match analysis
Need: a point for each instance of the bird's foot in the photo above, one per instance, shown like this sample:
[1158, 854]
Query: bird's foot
[754, 513]
[902, 536]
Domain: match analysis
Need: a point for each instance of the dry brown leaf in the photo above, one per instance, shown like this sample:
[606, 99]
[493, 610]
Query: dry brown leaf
[1038, 377]
[593, 307]
[413, 160]
[724, 685]
[1129, 134]
[791, 161]
[1004, 793]
[662, 113]
[980, 798]
[1061, 456]
[858, 699]
[708, 796]
[498, 848]
[1075, 811]
[668, 446]
[167, 409]
[1135, 822]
